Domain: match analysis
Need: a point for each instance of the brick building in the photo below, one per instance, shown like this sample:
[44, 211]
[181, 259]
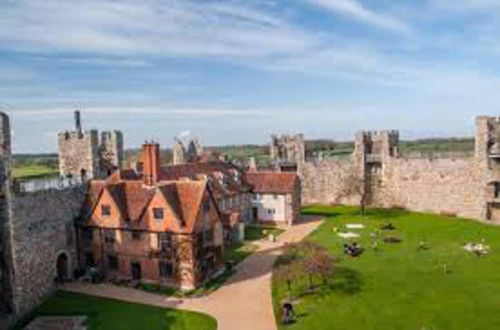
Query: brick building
[226, 181]
[276, 197]
[145, 227]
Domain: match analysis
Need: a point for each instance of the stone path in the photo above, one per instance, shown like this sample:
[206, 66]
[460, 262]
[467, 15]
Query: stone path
[244, 302]
[57, 323]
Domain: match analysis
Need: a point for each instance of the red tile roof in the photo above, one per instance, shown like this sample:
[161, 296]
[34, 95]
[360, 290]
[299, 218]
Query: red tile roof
[273, 182]
[132, 197]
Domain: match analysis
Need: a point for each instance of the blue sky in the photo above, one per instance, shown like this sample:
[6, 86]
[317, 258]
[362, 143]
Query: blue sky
[235, 71]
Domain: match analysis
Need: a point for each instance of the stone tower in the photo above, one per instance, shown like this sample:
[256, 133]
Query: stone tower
[82, 156]
[194, 150]
[487, 155]
[111, 151]
[187, 151]
[288, 152]
[178, 152]
[372, 152]
[6, 299]
[79, 152]
[487, 142]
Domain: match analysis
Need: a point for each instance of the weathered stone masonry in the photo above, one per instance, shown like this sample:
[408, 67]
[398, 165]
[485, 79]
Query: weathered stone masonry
[42, 225]
[82, 155]
[467, 187]
[37, 241]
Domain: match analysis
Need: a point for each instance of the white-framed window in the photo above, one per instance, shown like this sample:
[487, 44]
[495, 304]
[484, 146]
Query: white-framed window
[271, 211]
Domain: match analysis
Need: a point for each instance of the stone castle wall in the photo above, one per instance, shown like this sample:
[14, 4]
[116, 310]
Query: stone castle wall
[449, 186]
[42, 228]
[462, 186]
[322, 181]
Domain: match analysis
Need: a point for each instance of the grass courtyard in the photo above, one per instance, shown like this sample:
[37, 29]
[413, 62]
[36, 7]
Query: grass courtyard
[399, 285]
[108, 314]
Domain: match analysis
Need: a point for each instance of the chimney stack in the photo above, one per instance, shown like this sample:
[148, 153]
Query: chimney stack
[150, 158]
[78, 122]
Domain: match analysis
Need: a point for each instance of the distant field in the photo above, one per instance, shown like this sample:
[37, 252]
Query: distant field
[35, 166]
[34, 171]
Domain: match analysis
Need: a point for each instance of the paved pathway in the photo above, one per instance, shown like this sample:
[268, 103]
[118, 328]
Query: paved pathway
[244, 302]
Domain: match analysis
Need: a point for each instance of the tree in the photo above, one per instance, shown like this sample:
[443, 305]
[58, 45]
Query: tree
[354, 185]
[287, 273]
[325, 265]
[319, 262]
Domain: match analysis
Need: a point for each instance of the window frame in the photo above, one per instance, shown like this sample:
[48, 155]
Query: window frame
[106, 207]
[136, 235]
[158, 209]
[165, 269]
[111, 262]
[109, 235]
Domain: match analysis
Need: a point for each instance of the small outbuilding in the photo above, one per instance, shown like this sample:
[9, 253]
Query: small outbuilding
[276, 197]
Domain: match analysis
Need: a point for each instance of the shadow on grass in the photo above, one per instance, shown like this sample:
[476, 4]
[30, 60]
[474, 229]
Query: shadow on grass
[346, 280]
[385, 214]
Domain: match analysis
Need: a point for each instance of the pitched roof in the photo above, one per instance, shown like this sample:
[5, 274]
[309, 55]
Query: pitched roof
[131, 197]
[210, 169]
[272, 182]
[190, 194]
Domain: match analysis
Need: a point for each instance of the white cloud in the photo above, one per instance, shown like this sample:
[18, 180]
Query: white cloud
[159, 110]
[109, 62]
[356, 11]
[150, 27]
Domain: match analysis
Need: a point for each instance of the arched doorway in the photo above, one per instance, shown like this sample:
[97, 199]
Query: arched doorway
[62, 268]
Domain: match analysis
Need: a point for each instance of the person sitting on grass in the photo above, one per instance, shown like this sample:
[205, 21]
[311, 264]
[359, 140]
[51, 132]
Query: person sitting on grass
[353, 249]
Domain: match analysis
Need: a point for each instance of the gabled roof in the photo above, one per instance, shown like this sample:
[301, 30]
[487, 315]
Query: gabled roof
[273, 182]
[131, 197]
[190, 194]
[171, 196]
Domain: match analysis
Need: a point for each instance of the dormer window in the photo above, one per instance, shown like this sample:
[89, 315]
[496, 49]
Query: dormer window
[158, 213]
[105, 210]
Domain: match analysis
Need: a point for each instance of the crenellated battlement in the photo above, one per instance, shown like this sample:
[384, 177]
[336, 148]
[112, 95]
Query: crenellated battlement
[83, 155]
[288, 151]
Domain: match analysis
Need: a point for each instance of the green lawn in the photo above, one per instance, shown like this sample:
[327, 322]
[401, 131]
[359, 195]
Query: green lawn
[109, 314]
[26, 171]
[256, 232]
[400, 286]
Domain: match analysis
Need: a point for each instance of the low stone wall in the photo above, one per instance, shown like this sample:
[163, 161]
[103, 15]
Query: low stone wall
[42, 229]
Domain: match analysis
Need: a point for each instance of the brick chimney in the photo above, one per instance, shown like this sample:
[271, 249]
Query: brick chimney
[150, 158]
